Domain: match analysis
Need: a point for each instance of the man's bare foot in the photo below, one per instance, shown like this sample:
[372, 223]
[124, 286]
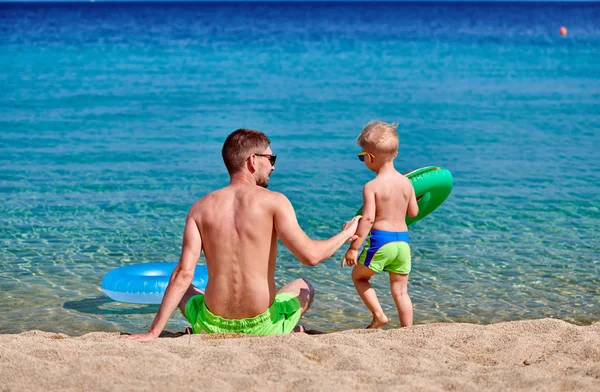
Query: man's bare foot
[378, 321]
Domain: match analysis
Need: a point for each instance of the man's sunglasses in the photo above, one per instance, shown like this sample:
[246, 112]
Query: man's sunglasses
[272, 157]
[361, 155]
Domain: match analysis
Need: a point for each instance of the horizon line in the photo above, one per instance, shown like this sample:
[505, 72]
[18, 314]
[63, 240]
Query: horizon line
[291, 1]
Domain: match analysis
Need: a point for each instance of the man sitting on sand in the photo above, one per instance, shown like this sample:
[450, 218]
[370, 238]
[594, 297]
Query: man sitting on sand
[237, 228]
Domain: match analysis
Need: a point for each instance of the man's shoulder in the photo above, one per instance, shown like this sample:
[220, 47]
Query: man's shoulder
[269, 195]
[207, 197]
[256, 195]
[206, 200]
[271, 200]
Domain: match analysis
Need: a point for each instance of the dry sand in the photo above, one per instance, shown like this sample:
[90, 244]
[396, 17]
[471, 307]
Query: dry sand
[524, 355]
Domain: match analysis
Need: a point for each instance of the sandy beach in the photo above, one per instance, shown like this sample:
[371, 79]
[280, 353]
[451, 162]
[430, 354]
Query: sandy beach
[536, 355]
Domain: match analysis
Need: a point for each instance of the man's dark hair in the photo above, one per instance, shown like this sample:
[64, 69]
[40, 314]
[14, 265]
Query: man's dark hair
[239, 145]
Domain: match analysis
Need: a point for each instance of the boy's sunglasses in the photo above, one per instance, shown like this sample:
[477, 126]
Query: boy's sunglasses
[361, 155]
[272, 157]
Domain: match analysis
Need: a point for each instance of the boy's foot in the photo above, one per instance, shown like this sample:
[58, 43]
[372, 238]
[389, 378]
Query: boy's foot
[378, 322]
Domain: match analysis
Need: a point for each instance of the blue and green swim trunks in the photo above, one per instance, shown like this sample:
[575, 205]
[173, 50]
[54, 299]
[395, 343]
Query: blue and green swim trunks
[387, 251]
[281, 318]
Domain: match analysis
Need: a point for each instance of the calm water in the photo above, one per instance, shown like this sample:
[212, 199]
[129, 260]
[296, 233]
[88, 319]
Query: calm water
[112, 118]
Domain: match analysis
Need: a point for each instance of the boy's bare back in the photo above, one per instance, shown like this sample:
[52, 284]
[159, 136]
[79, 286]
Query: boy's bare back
[394, 198]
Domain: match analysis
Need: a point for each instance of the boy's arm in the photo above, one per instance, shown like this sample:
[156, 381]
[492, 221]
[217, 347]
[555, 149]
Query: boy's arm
[180, 281]
[368, 217]
[308, 251]
[413, 208]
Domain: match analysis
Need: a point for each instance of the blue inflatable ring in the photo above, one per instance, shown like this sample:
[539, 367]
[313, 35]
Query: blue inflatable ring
[145, 283]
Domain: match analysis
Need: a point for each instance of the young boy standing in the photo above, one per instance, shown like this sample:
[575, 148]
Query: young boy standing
[387, 200]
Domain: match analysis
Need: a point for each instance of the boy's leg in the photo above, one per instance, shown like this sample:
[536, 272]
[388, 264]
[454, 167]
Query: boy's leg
[360, 277]
[399, 288]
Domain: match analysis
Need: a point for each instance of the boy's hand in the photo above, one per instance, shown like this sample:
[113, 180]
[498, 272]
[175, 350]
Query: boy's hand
[350, 258]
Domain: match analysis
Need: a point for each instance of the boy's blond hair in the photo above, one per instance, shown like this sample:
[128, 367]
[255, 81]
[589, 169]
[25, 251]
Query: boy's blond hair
[379, 137]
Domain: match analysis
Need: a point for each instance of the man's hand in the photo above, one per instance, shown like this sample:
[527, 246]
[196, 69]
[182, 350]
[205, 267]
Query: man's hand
[140, 337]
[351, 227]
[350, 258]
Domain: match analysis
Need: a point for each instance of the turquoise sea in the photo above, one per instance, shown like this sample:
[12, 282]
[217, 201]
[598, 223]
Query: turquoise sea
[112, 117]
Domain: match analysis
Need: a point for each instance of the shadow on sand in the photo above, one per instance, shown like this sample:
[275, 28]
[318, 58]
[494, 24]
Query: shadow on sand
[97, 305]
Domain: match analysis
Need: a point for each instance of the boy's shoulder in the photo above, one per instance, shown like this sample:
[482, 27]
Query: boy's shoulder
[377, 182]
[372, 184]
[395, 177]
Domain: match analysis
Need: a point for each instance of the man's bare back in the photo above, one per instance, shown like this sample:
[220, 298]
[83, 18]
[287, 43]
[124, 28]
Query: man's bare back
[235, 224]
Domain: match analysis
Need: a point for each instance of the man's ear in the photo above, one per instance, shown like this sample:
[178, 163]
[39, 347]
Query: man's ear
[251, 163]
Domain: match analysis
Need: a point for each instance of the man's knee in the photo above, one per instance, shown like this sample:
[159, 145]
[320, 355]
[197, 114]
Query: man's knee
[311, 291]
[191, 291]
[301, 289]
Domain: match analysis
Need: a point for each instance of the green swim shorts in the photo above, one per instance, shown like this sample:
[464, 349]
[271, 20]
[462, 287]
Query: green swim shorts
[281, 318]
[387, 251]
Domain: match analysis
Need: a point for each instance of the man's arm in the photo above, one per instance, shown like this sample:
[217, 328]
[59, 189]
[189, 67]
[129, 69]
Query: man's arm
[180, 280]
[368, 218]
[308, 251]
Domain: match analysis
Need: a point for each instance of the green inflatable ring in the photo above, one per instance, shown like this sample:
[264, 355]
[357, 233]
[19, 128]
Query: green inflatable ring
[432, 185]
